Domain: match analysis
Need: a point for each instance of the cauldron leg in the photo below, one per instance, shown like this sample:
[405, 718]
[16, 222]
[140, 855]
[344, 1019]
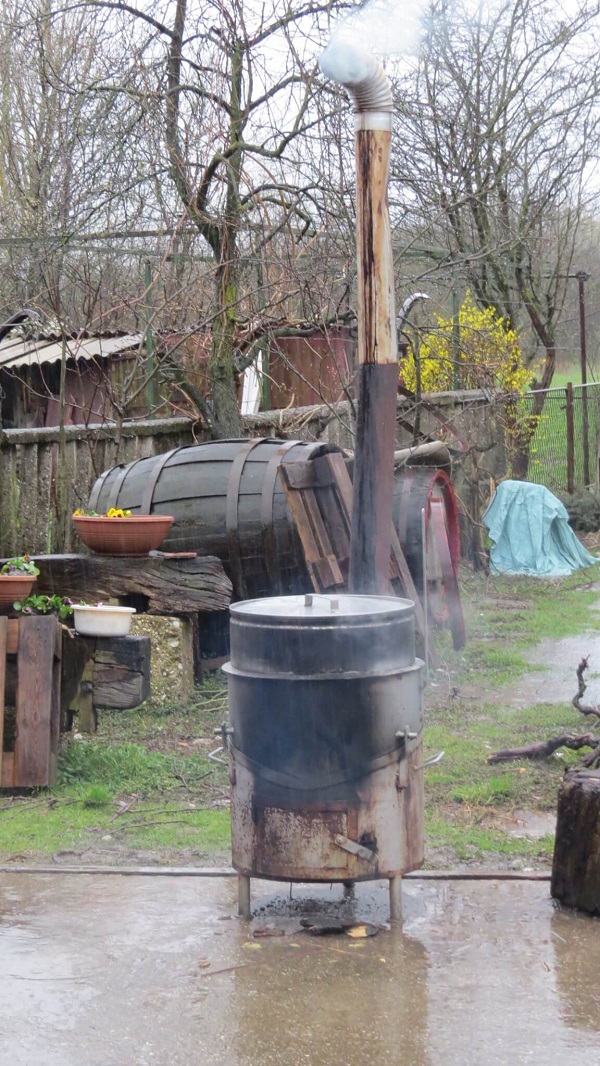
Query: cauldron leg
[244, 904]
[348, 889]
[396, 900]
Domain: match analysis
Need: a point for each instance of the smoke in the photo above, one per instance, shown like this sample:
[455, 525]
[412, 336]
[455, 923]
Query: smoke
[345, 61]
[382, 27]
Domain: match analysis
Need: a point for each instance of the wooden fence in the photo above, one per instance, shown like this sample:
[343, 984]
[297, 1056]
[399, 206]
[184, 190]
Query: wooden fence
[45, 476]
[43, 479]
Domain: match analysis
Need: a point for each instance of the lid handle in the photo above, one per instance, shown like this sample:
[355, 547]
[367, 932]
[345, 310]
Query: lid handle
[334, 604]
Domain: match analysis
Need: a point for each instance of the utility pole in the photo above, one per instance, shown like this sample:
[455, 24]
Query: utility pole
[582, 277]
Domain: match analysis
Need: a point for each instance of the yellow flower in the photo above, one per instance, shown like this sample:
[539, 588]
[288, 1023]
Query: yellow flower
[489, 356]
[117, 512]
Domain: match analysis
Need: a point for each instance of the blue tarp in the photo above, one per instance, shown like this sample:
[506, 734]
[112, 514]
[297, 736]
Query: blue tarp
[531, 534]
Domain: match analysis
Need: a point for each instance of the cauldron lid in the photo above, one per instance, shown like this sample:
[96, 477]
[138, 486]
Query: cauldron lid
[324, 608]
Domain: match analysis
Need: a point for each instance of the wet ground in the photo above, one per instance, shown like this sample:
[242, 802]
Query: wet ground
[556, 681]
[131, 971]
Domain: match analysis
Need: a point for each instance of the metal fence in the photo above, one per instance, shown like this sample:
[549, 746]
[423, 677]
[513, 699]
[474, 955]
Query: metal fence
[564, 447]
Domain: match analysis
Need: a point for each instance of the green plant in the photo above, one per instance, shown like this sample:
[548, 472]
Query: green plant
[21, 564]
[59, 605]
[489, 355]
[113, 512]
[97, 796]
[583, 508]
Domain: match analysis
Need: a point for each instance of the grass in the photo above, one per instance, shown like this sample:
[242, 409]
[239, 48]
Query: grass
[548, 451]
[143, 789]
[143, 782]
[470, 803]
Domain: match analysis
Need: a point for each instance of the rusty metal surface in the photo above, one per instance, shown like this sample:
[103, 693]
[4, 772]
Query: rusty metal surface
[385, 817]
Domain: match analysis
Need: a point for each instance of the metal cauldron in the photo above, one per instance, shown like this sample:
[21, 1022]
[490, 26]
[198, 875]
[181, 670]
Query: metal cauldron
[324, 738]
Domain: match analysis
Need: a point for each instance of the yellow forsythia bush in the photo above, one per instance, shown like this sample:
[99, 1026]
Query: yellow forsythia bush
[489, 354]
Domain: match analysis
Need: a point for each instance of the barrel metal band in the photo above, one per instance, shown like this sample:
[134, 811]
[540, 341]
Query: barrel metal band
[316, 784]
[267, 502]
[97, 489]
[113, 498]
[154, 476]
[231, 514]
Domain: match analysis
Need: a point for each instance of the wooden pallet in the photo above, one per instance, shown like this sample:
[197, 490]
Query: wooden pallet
[30, 661]
[319, 496]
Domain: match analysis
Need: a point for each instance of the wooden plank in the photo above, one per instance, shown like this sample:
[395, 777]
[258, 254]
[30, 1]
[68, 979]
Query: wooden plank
[319, 556]
[327, 564]
[8, 769]
[334, 512]
[308, 475]
[35, 701]
[3, 631]
[45, 491]
[12, 636]
[409, 589]
[310, 547]
[56, 708]
[339, 471]
[83, 702]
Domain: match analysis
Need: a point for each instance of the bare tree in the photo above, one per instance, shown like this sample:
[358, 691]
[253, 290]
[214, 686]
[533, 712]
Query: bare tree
[500, 132]
[229, 91]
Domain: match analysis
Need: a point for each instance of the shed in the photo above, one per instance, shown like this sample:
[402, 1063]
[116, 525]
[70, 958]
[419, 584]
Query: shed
[98, 368]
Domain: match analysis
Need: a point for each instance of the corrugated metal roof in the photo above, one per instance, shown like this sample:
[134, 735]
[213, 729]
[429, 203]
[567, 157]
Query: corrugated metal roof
[16, 353]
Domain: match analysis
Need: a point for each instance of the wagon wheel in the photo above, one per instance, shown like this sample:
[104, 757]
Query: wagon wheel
[443, 595]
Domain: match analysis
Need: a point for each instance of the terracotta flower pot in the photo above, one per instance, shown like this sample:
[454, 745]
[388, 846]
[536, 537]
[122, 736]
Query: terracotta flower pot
[136, 535]
[15, 587]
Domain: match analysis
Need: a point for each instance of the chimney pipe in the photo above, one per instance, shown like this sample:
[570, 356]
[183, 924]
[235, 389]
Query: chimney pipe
[364, 78]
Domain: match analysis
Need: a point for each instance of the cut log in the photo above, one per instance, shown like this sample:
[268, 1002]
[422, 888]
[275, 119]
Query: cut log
[122, 672]
[576, 864]
[156, 584]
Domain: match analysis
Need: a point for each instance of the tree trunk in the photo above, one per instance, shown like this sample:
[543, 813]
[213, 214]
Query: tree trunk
[576, 865]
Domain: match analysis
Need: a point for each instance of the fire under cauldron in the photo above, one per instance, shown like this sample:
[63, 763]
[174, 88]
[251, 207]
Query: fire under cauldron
[324, 741]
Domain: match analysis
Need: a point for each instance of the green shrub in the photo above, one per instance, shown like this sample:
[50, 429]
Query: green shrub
[584, 510]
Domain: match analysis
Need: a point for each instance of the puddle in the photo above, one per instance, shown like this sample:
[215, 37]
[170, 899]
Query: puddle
[131, 971]
[557, 681]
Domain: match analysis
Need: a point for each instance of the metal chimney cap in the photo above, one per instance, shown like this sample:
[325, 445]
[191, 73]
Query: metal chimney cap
[325, 608]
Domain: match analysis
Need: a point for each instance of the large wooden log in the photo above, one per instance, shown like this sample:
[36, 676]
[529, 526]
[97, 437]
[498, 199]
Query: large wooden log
[121, 672]
[576, 864]
[154, 583]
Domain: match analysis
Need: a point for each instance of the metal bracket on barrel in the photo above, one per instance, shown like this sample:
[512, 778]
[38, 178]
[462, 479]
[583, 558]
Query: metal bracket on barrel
[354, 848]
[431, 762]
[225, 732]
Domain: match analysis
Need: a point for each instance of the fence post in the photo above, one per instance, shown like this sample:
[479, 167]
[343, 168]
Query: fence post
[570, 440]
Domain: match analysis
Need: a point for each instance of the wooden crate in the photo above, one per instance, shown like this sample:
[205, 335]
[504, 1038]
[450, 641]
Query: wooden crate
[30, 652]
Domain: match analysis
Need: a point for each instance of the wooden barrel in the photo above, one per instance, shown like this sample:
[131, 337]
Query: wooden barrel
[427, 489]
[227, 500]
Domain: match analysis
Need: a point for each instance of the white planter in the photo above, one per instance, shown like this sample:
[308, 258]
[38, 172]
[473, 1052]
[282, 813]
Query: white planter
[102, 621]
